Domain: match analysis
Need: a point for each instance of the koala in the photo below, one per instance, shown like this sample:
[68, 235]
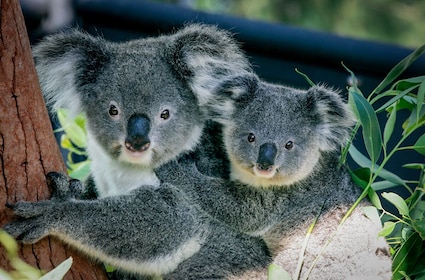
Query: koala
[145, 103]
[143, 99]
[283, 149]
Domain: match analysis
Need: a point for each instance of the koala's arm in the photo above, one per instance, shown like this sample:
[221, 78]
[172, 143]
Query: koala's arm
[147, 231]
[248, 209]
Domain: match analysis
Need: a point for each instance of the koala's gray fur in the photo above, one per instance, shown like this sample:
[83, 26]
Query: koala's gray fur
[149, 231]
[139, 225]
[155, 88]
[287, 176]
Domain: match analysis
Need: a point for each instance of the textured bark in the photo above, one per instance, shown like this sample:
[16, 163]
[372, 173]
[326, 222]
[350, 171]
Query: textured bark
[28, 149]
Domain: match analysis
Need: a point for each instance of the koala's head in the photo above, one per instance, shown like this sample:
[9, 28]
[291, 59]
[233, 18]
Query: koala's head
[143, 99]
[275, 135]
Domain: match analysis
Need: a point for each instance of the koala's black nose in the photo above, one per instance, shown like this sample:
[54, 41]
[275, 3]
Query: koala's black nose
[137, 139]
[266, 156]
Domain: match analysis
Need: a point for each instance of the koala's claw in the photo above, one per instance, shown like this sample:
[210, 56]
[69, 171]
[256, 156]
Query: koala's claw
[25, 231]
[62, 188]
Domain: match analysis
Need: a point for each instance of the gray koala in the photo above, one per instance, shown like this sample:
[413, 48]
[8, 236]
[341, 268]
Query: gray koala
[283, 146]
[143, 99]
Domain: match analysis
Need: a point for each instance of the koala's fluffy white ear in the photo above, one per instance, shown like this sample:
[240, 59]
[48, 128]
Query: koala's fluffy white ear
[203, 56]
[335, 117]
[231, 91]
[65, 62]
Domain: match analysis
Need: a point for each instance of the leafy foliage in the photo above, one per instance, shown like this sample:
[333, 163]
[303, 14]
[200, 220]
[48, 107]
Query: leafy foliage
[404, 230]
[24, 271]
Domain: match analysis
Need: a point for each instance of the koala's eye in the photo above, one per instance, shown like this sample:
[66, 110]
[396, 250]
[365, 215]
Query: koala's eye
[289, 145]
[251, 137]
[165, 114]
[113, 109]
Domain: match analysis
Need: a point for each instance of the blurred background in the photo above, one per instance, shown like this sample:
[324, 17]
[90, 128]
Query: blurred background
[399, 22]
[394, 21]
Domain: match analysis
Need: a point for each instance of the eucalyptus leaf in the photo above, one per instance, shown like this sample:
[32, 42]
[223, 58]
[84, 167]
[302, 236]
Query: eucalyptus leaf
[398, 202]
[406, 256]
[420, 98]
[363, 161]
[59, 271]
[396, 98]
[374, 198]
[80, 170]
[372, 213]
[360, 176]
[383, 185]
[389, 125]
[76, 134]
[387, 229]
[419, 227]
[371, 129]
[397, 70]
[275, 272]
[409, 82]
[309, 81]
[420, 145]
[414, 165]
[4, 275]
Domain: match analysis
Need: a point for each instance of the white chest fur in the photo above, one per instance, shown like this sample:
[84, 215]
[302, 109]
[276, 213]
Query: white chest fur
[113, 177]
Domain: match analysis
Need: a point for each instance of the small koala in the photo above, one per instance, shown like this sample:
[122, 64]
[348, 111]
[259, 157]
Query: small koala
[143, 99]
[283, 148]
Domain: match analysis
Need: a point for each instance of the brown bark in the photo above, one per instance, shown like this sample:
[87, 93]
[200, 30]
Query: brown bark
[28, 149]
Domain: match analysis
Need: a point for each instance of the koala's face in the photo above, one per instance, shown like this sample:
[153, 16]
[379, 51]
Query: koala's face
[275, 135]
[142, 98]
[273, 140]
[139, 113]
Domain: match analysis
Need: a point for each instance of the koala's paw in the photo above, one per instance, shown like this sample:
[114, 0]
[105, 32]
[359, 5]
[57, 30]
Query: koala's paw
[62, 188]
[31, 225]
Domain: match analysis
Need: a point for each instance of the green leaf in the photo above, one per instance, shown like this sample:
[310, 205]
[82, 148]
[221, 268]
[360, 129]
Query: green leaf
[389, 126]
[398, 202]
[372, 213]
[421, 97]
[275, 272]
[360, 176]
[399, 69]
[396, 98]
[420, 145]
[409, 82]
[59, 271]
[371, 129]
[406, 256]
[309, 81]
[419, 227]
[4, 275]
[76, 134]
[383, 185]
[79, 170]
[387, 229]
[363, 161]
[414, 165]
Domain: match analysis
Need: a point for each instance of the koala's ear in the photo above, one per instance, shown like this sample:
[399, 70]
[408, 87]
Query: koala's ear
[203, 55]
[231, 91]
[335, 117]
[65, 62]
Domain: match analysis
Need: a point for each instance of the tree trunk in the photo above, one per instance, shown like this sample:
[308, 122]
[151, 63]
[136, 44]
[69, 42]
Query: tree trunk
[28, 149]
